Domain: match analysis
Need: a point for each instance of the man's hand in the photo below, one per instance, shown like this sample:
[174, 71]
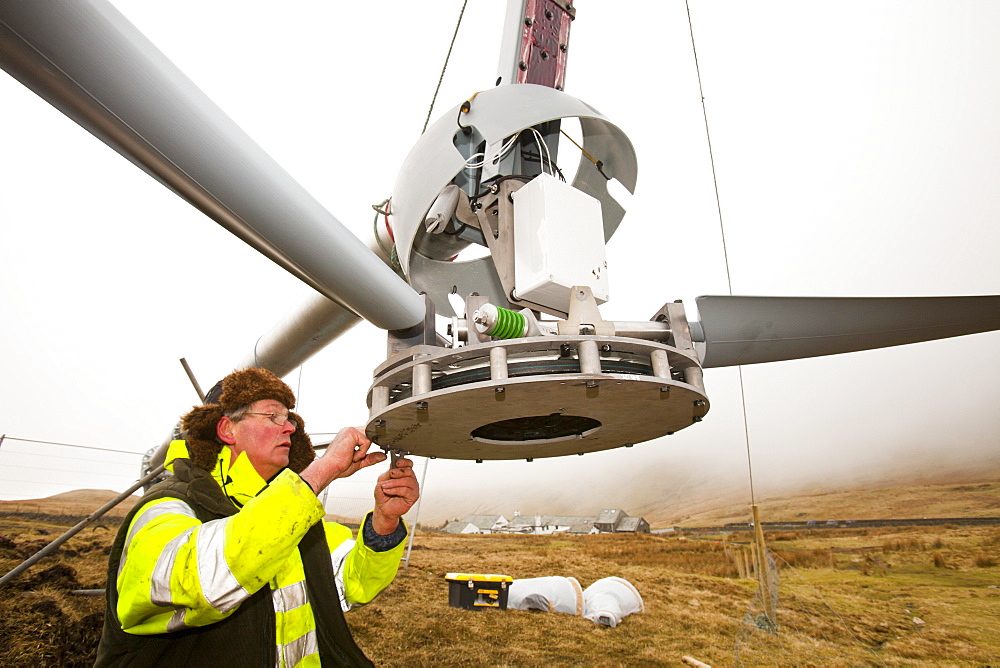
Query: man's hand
[346, 455]
[395, 493]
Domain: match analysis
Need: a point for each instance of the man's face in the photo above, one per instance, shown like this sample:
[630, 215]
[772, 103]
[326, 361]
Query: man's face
[265, 443]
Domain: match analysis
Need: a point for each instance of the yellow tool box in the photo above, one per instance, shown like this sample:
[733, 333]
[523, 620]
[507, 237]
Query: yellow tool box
[476, 590]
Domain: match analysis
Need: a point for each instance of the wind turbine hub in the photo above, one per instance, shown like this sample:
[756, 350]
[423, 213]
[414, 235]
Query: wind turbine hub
[542, 396]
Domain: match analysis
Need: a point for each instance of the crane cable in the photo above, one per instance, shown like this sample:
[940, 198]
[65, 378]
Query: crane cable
[445, 66]
[722, 229]
[383, 207]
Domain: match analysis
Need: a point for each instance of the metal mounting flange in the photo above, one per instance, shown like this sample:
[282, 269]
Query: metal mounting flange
[544, 396]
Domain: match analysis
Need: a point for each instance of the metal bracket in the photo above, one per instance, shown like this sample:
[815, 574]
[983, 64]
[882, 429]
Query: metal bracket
[496, 217]
[584, 316]
[472, 304]
[421, 334]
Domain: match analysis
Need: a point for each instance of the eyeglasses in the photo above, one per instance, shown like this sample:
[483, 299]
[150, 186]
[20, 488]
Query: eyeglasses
[277, 418]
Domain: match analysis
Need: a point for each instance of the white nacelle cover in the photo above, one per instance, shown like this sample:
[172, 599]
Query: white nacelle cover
[558, 243]
[609, 600]
[548, 594]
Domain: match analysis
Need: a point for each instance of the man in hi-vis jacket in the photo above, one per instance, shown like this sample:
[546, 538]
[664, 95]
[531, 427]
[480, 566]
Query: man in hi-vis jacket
[229, 561]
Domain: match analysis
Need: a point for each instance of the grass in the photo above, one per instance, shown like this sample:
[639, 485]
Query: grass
[846, 597]
[914, 501]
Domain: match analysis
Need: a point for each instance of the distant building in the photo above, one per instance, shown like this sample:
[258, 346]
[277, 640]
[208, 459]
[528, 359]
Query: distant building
[545, 524]
[583, 528]
[460, 526]
[486, 523]
[607, 521]
[632, 525]
[618, 521]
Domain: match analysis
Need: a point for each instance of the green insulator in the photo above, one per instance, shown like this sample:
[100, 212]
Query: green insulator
[510, 324]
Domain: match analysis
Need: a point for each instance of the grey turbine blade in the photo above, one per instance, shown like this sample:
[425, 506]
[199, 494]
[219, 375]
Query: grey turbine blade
[749, 330]
[87, 60]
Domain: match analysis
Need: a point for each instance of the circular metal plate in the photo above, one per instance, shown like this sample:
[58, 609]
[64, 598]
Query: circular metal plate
[627, 409]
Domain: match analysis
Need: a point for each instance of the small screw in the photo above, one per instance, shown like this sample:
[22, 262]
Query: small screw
[586, 331]
[529, 459]
[699, 402]
[579, 454]
[548, 14]
[479, 461]
[591, 383]
[421, 405]
[629, 445]
[665, 388]
[606, 348]
[563, 48]
[670, 433]
[697, 418]
[564, 350]
[528, 21]
[379, 423]
[522, 66]
[500, 390]
[545, 55]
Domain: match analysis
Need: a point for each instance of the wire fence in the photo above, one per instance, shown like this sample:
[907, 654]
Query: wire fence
[34, 471]
[807, 628]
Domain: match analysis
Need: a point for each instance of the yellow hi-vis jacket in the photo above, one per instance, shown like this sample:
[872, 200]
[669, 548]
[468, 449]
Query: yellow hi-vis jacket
[177, 573]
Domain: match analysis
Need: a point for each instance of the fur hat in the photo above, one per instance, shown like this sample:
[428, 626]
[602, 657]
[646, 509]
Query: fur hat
[236, 390]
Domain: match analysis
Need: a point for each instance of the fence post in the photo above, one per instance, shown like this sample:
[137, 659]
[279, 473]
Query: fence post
[416, 515]
[763, 577]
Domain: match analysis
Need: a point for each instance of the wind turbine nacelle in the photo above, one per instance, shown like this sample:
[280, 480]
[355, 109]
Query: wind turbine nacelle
[445, 201]
[502, 383]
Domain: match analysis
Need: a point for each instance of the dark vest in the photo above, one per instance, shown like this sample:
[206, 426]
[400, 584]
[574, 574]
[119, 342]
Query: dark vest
[245, 638]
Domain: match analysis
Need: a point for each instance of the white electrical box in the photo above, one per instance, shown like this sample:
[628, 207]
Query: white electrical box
[558, 243]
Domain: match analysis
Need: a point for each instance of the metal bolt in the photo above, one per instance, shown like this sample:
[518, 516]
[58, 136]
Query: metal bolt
[380, 423]
[421, 405]
[586, 331]
[697, 418]
[579, 454]
[629, 445]
[564, 350]
[606, 348]
[529, 459]
[563, 47]
[500, 390]
[479, 461]
[665, 388]
[528, 21]
[591, 383]
[699, 402]
[522, 66]
[545, 55]
[548, 14]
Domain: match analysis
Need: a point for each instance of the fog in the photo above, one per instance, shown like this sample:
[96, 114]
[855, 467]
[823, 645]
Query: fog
[856, 154]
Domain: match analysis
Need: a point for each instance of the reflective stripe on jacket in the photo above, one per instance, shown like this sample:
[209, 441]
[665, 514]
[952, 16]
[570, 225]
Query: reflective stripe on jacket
[177, 572]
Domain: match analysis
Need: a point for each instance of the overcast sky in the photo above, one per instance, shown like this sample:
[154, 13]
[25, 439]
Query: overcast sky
[857, 154]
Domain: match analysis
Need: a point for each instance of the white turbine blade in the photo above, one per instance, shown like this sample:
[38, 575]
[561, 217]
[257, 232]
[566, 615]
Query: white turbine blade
[749, 330]
[87, 60]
